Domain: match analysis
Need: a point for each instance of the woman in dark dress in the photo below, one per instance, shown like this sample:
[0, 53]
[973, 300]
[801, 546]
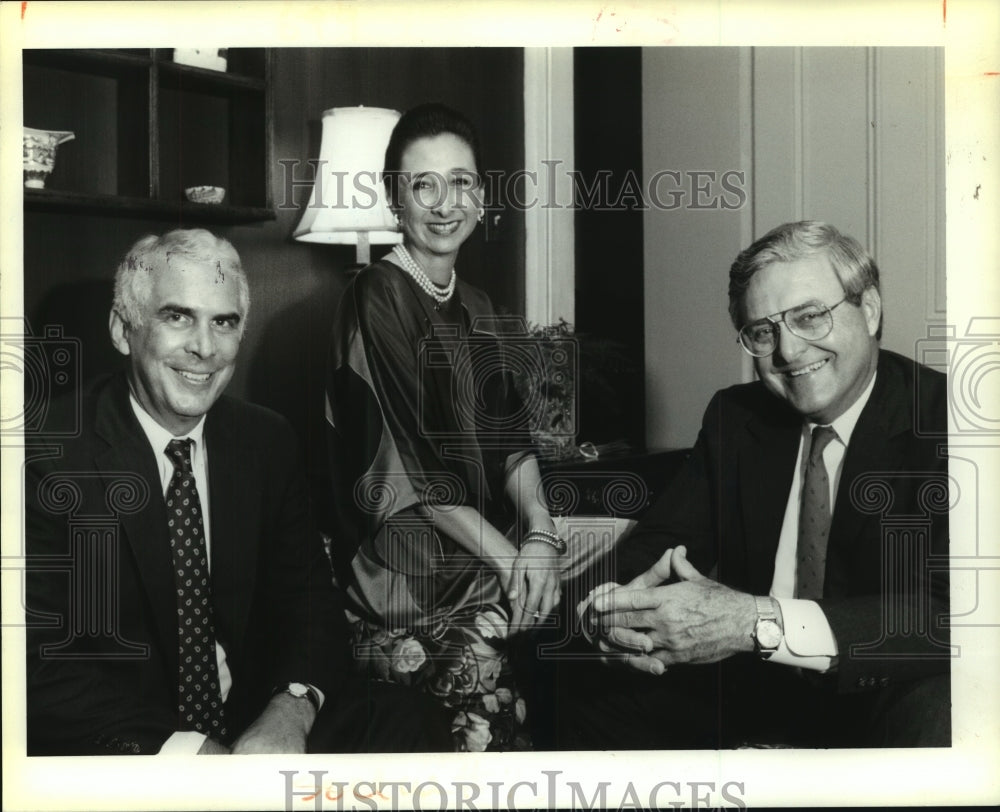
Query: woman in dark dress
[444, 543]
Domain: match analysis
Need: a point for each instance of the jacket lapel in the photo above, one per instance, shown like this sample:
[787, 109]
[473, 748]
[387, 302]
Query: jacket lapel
[232, 473]
[767, 464]
[872, 449]
[128, 453]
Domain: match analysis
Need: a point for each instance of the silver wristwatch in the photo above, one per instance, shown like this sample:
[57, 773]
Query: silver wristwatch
[767, 632]
[299, 691]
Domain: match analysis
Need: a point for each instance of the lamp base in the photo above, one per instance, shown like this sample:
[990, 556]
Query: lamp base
[363, 250]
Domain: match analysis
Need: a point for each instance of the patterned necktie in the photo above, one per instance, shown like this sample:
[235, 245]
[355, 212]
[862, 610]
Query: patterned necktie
[199, 699]
[814, 519]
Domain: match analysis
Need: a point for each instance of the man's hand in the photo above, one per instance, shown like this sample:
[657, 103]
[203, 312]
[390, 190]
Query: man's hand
[654, 576]
[282, 728]
[634, 654]
[657, 574]
[696, 620]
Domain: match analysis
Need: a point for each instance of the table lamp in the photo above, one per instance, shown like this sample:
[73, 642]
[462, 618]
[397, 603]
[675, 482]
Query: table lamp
[348, 204]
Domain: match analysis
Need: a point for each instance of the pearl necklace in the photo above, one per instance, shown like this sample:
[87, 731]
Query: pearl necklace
[439, 293]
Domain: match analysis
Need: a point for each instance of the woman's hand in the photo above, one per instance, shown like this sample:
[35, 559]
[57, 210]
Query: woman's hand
[533, 587]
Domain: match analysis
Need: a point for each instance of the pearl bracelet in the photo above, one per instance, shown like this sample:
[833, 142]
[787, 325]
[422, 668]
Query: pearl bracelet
[546, 537]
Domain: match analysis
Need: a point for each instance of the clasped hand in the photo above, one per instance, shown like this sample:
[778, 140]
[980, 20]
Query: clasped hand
[650, 625]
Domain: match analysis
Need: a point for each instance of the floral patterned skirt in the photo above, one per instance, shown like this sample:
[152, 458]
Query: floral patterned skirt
[462, 663]
[454, 646]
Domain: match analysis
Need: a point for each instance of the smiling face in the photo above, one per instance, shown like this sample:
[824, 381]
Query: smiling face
[822, 378]
[439, 198]
[183, 354]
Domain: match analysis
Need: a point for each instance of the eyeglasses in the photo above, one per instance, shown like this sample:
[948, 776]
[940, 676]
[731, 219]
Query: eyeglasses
[811, 321]
[431, 189]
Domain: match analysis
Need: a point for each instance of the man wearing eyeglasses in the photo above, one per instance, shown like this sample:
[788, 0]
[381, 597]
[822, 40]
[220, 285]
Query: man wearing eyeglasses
[818, 508]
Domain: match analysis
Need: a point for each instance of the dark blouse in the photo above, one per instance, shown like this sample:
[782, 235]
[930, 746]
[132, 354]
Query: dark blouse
[420, 408]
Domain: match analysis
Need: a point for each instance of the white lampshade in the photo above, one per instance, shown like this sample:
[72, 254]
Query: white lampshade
[348, 204]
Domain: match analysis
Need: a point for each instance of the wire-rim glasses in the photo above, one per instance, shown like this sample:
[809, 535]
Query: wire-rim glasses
[811, 321]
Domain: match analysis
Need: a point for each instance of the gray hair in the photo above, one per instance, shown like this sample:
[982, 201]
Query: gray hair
[134, 281]
[854, 266]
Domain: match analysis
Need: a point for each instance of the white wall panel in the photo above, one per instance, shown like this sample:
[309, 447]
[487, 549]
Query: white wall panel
[910, 193]
[691, 123]
[835, 138]
[777, 137]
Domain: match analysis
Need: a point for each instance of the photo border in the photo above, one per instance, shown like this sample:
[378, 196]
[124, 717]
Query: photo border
[962, 774]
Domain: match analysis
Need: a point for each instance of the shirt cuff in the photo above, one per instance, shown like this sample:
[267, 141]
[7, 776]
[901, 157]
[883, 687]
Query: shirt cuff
[183, 743]
[808, 640]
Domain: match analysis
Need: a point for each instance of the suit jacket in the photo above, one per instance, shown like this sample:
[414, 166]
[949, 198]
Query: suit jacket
[102, 637]
[886, 582]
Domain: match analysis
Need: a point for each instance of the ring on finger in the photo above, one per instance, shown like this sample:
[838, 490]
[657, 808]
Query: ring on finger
[533, 612]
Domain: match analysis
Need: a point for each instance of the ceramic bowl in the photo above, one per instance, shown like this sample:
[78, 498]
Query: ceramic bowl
[205, 194]
[40, 154]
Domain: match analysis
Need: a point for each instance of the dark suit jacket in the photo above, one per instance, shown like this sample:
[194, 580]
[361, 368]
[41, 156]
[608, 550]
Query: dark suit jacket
[102, 638]
[886, 585]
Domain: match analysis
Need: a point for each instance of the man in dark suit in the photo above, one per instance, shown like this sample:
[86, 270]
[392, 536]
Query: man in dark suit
[178, 599]
[817, 627]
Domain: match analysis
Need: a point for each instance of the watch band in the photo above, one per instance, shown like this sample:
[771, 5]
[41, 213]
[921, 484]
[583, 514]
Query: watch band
[765, 608]
[299, 690]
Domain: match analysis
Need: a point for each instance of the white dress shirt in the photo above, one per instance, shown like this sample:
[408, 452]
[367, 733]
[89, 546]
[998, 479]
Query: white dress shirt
[808, 641]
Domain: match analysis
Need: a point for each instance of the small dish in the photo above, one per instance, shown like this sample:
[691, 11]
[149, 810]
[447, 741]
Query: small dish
[205, 194]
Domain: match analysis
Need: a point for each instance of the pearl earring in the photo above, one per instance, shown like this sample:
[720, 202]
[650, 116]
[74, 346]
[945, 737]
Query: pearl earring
[482, 214]
[396, 218]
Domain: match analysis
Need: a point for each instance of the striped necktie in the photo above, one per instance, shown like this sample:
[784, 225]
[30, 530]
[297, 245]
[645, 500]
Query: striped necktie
[814, 519]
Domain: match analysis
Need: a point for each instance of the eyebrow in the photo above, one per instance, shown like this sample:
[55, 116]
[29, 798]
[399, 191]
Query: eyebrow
[767, 318]
[455, 170]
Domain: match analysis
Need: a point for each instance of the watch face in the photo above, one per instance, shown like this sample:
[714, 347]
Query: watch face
[768, 634]
[297, 689]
